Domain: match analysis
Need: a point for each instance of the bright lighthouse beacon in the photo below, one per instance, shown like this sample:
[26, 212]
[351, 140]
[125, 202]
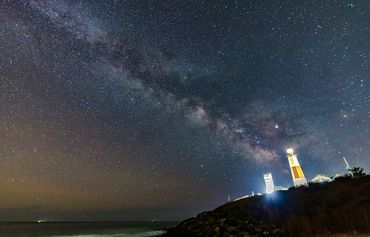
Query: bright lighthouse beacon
[295, 168]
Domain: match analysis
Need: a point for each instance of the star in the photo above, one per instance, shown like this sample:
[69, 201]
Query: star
[127, 108]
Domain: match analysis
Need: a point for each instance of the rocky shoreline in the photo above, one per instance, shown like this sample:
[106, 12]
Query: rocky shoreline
[339, 208]
[217, 225]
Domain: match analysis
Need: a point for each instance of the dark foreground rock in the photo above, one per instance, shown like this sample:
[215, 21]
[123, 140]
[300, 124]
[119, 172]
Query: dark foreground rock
[211, 224]
[340, 207]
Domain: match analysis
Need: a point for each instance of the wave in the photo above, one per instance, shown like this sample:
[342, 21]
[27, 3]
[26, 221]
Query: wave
[142, 234]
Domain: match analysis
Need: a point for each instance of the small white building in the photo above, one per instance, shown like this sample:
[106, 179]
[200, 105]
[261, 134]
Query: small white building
[321, 179]
[280, 188]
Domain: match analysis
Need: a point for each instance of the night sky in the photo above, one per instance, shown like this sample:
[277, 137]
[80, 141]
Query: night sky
[158, 109]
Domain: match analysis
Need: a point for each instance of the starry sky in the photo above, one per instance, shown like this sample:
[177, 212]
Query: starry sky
[159, 109]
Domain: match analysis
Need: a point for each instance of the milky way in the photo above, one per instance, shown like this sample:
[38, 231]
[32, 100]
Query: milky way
[158, 109]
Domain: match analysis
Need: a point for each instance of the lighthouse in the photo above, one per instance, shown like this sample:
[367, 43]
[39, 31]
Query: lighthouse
[295, 168]
[269, 182]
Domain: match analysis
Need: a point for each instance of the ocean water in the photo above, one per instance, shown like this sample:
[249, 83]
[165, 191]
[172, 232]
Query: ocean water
[116, 229]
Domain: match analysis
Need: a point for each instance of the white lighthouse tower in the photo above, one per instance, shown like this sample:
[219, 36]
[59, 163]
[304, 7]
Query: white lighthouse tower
[295, 168]
[269, 182]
